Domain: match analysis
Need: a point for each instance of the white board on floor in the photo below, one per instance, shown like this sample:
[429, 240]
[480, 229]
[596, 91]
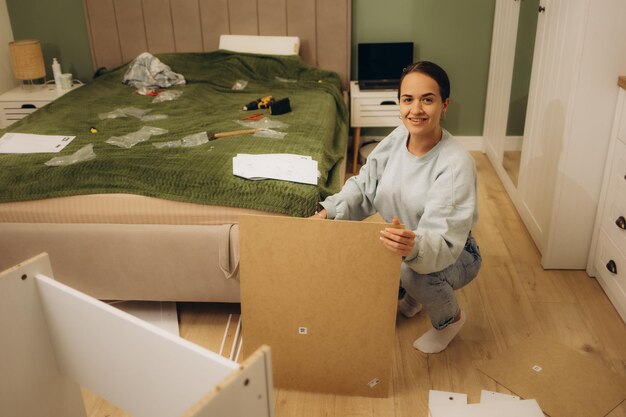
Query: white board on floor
[522, 408]
[56, 339]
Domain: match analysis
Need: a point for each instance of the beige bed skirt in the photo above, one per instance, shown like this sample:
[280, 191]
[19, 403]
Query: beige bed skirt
[133, 262]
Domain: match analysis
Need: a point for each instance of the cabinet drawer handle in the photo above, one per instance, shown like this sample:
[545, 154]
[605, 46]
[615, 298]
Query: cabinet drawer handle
[621, 222]
[28, 106]
[388, 103]
[611, 267]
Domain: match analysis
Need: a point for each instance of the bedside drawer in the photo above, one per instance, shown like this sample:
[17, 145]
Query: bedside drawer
[613, 221]
[13, 111]
[372, 112]
[615, 283]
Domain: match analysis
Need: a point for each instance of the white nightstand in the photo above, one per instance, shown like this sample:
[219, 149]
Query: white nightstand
[371, 108]
[20, 102]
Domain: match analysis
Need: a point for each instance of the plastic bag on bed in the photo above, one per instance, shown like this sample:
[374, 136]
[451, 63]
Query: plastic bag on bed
[168, 95]
[269, 133]
[264, 123]
[124, 112]
[135, 112]
[148, 71]
[114, 114]
[153, 117]
[196, 139]
[85, 153]
[131, 139]
[239, 85]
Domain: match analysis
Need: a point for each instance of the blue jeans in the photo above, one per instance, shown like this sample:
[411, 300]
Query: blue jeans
[435, 291]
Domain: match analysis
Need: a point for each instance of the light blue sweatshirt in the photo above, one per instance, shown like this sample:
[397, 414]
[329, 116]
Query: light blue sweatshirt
[434, 195]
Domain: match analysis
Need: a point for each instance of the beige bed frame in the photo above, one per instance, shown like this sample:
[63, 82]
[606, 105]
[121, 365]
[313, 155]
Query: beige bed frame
[119, 30]
[173, 262]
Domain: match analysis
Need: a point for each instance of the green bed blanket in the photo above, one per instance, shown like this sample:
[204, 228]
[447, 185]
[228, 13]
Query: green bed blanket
[317, 127]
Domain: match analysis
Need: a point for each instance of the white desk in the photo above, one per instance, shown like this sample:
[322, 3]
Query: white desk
[371, 108]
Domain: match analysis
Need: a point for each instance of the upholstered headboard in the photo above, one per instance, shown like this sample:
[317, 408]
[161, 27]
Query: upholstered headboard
[119, 30]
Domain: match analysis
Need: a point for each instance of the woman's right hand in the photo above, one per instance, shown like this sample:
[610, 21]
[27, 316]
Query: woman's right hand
[320, 215]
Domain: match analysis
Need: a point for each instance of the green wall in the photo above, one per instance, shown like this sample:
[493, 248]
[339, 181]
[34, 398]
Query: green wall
[60, 27]
[456, 34]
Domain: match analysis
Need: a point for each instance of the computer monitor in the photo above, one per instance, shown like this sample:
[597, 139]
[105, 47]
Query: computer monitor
[380, 64]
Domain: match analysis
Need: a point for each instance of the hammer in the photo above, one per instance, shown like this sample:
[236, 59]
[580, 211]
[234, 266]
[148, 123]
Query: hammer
[213, 136]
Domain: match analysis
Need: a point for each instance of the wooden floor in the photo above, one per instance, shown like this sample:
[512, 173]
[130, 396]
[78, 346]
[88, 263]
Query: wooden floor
[512, 298]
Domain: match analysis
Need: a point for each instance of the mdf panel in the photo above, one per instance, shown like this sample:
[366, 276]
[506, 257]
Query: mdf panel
[243, 17]
[333, 50]
[300, 23]
[157, 16]
[104, 36]
[214, 20]
[187, 26]
[272, 17]
[129, 13]
[330, 321]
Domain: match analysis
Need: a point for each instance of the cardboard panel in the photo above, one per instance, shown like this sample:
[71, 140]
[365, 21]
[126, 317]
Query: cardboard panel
[322, 295]
[565, 382]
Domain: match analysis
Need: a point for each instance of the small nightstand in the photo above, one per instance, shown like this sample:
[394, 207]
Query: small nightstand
[19, 102]
[371, 108]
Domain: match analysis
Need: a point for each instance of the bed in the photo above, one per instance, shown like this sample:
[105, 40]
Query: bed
[161, 223]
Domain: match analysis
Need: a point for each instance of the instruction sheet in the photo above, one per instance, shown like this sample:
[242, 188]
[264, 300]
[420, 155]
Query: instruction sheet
[30, 143]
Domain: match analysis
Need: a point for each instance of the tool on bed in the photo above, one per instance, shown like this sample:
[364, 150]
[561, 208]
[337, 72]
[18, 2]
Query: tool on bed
[213, 136]
[281, 106]
[259, 103]
[255, 117]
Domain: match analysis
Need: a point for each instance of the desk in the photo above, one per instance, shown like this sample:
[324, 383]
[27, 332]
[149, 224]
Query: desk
[371, 108]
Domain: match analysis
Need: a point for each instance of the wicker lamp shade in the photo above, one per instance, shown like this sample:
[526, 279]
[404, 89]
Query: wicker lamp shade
[27, 59]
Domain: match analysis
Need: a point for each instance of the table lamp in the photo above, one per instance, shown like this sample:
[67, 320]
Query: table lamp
[27, 61]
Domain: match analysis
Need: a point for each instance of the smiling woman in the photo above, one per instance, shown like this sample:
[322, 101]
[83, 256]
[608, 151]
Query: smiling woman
[422, 178]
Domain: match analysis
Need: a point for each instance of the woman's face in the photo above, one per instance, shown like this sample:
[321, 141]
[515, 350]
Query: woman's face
[421, 105]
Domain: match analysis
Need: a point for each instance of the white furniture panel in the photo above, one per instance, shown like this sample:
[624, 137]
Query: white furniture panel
[57, 338]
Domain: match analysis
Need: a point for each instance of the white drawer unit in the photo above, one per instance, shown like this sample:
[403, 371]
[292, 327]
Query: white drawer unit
[19, 102]
[607, 260]
[371, 108]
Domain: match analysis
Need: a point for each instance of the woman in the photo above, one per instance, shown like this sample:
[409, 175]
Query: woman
[421, 177]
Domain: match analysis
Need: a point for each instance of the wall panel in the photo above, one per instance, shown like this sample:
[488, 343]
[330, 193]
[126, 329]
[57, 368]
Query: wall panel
[159, 30]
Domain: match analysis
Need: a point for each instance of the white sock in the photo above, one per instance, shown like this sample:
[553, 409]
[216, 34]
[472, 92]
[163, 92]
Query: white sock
[434, 341]
[408, 306]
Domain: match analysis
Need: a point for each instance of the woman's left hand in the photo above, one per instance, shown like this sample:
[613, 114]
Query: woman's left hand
[398, 240]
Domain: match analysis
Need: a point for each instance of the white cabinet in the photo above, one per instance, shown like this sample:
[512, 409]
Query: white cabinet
[371, 108]
[579, 51]
[607, 260]
[19, 102]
